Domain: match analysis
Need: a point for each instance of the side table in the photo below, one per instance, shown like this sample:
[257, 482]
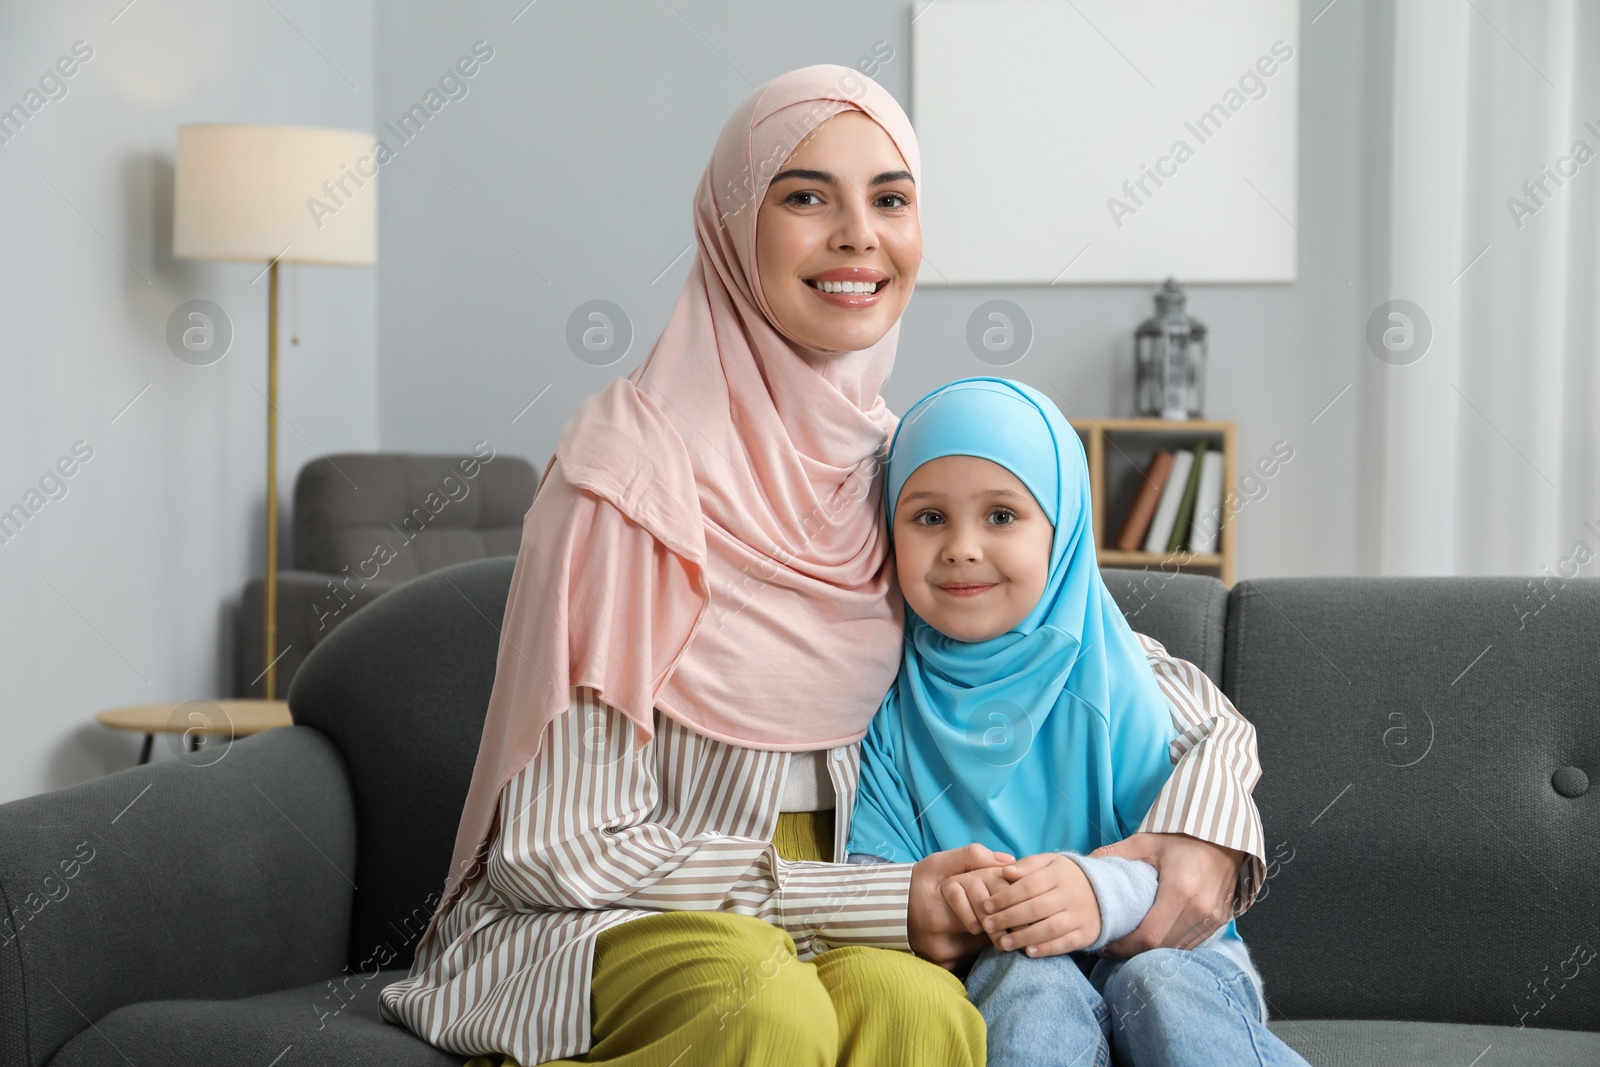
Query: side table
[197, 719]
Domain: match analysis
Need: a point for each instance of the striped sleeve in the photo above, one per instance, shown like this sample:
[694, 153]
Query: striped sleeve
[1215, 769]
[826, 905]
[581, 832]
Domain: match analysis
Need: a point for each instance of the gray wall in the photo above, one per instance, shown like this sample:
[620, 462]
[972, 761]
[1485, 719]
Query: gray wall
[122, 591]
[564, 174]
[579, 147]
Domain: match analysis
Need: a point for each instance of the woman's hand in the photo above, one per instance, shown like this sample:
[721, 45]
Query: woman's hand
[932, 929]
[1194, 897]
[1048, 907]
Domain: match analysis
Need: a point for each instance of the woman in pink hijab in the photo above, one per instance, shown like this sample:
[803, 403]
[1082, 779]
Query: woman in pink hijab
[701, 623]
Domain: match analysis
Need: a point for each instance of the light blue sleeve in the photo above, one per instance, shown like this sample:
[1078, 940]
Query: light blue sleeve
[1125, 889]
[883, 808]
[1142, 731]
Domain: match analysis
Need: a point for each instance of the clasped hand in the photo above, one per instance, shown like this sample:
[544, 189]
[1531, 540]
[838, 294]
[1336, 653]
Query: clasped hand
[1041, 904]
[1045, 901]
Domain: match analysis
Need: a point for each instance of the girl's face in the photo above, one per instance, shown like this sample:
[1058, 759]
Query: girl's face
[972, 547]
[842, 205]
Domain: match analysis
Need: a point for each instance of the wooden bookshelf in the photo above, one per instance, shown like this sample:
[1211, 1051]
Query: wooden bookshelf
[1119, 450]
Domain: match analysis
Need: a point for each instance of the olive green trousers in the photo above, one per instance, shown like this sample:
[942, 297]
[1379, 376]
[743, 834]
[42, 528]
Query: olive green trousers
[711, 989]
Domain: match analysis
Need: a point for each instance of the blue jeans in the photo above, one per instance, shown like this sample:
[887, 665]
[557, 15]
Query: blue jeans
[1163, 1007]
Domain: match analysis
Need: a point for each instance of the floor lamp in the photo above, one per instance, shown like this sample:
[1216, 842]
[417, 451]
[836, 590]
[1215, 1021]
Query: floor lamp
[275, 194]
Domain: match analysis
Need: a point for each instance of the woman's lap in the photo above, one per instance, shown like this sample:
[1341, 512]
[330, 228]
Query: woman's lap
[895, 1008]
[689, 988]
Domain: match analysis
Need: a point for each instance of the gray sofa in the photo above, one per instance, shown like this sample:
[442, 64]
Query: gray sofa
[1431, 897]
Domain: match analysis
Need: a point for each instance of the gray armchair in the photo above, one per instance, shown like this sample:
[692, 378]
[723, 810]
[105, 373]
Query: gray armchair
[365, 523]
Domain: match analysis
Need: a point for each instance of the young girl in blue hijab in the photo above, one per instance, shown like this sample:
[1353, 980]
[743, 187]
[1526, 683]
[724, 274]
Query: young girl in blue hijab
[1027, 718]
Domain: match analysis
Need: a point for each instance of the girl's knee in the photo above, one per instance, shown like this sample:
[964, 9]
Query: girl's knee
[1153, 967]
[1022, 973]
[1009, 982]
[1143, 982]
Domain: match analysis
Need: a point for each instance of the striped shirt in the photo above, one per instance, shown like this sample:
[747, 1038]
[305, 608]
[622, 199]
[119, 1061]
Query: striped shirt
[595, 831]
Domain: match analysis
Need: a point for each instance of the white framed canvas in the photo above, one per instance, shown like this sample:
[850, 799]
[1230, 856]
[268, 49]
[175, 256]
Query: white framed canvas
[1101, 141]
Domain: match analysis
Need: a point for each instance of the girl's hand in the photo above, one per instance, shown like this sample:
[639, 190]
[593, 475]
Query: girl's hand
[1049, 907]
[965, 894]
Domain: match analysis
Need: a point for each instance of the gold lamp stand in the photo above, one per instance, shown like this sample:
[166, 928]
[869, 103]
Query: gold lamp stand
[259, 193]
[272, 655]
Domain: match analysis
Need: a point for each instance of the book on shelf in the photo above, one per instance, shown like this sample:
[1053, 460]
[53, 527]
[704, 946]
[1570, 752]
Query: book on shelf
[1180, 525]
[1179, 503]
[1143, 510]
[1207, 507]
[1166, 516]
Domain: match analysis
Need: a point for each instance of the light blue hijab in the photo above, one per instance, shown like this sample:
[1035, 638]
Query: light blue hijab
[1051, 737]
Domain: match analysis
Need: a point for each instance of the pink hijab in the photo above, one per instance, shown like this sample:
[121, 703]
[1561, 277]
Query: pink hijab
[708, 538]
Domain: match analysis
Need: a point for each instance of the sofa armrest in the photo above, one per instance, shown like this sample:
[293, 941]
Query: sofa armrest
[310, 605]
[215, 875]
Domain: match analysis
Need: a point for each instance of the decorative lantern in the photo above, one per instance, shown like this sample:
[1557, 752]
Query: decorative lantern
[1169, 352]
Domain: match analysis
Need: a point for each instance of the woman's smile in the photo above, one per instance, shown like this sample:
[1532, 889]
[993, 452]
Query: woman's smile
[849, 287]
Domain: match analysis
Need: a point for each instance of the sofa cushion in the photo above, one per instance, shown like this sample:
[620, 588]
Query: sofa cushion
[1424, 858]
[328, 1023]
[309, 1020]
[1339, 1043]
[315, 1025]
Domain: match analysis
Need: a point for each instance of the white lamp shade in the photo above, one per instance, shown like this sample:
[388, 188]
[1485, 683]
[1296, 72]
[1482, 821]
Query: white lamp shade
[259, 193]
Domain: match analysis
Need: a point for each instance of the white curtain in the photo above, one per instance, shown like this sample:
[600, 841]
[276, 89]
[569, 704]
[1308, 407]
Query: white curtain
[1488, 449]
